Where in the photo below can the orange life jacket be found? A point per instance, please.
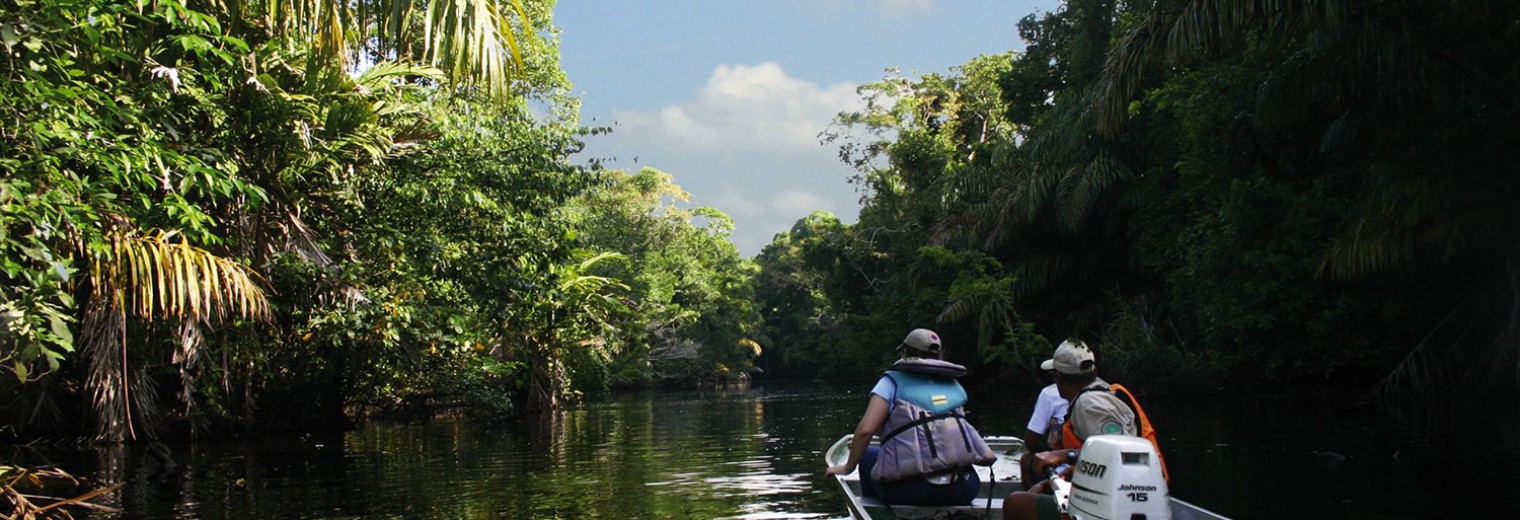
(1069, 440)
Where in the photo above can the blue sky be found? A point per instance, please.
(728, 96)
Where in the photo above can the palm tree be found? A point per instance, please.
(576, 312)
(139, 275)
(478, 43)
(156, 278)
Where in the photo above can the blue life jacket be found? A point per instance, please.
(926, 434)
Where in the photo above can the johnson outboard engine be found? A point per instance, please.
(1118, 477)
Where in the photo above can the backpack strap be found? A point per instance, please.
(920, 422)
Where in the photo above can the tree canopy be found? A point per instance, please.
(1265, 193)
(272, 215)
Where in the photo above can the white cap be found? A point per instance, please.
(1071, 358)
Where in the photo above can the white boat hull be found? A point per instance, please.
(998, 480)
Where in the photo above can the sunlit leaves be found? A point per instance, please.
(688, 289)
(153, 275)
(185, 155)
(475, 42)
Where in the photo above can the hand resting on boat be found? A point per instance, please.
(1035, 466)
(870, 422)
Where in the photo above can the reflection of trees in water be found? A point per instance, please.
(546, 432)
(716, 452)
(111, 464)
(1426, 424)
(656, 455)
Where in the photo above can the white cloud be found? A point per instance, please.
(742, 107)
(746, 143)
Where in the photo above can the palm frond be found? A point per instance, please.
(1419, 370)
(187, 357)
(105, 350)
(380, 76)
(476, 42)
(1180, 34)
(1038, 272)
(1122, 69)
(1407, 222)
(157, 279)
(955, 226)
(1085, 184)
(1018, 201)
(152, 275)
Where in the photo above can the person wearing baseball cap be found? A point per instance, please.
(1071, 358)
(922, 343)
(927, 447)
(1043, 432)
(1095, 408)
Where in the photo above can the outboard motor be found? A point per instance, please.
(1118, 477)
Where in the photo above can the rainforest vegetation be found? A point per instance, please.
(234, 216)
(1222, 195)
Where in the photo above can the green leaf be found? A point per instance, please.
(61, 329)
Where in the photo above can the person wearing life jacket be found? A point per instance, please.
(1096, 408)
(1070, 440)
(927, 447)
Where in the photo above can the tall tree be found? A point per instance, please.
(692, 315)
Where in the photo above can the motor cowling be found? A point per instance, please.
(1118, 477)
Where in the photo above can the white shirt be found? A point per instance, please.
(1049, 409)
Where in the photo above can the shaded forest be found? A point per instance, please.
(1222, 195)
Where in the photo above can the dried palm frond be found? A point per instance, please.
(188, 357)
(1421, 369)
(154, 278)
(31, 505)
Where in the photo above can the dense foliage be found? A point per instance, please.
(690, 309)
(275, 214)
(1263, 193)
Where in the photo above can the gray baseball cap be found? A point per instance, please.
(923, 340)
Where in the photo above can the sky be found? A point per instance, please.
(729, 96)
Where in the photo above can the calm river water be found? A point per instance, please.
(755, 453)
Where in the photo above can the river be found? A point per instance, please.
(754, 452)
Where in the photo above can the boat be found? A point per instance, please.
(998, 480)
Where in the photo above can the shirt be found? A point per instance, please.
(1101, 413)
(887, 389)
(1049, 409)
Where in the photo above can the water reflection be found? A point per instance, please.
(1311, 457)
(755, 454)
